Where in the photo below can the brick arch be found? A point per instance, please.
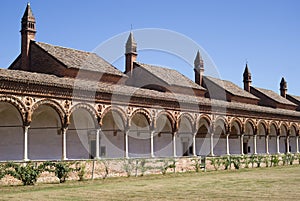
(170, 117)
(294, 125)
(143, 112)
(53, 104)
(19, 105)
(275, 125)
(89, 108)
(116, 109)
(189, 118)
(206, 118)
(264, 124)
(283, 124)
(223, 119)
(238, 121)
(252, 123)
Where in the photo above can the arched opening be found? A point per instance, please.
(112, 141)
(81, 135)
(184, 141)
(272, 139)
(261, 138)
(139, 136)
(163, 137)
(293, 141)
(11, 133)
(203, 137)
(44, 137)
(220, 137)
(234, 141)
(248, 143)
(282, 139)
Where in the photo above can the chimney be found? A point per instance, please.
(283, 87)
(28, 31)
(130, 54)
(247, 79)
(198, 69)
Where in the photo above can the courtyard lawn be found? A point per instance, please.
(276, 183)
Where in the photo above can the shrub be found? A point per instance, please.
(197, 164)
(26, 173)
(246, 161)
(142, 166)
(227, 162)
(128, 166)
(236, 162)
(167, 164)
(2, 171)
(106, 168)
(252, 160)
(284, 159)
(216, 162)
(274, 160)
(80, 169)
(259, 160)
(267, 160)
(61, 169)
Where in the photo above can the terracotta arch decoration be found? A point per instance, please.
(53, 104)
(169, 116)
(117, 110)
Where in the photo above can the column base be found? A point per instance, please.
(26, 160)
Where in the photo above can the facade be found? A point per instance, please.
(61, 103)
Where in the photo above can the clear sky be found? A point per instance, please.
(266, 33)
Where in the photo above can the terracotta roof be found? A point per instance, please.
(78, 59)
(170, 76)
(274, 96)
(231, 88)
(53, 81)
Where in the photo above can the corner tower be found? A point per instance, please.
(247, 79)
(198, 68)
(28, 31)
(130, 54)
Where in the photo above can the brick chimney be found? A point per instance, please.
(198, 69)
(247, 79)
(28, 31)
(283, 87)
(130, 54)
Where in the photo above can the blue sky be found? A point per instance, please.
(266, 33)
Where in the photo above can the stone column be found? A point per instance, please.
(254, 144)
(98, 143)
(152, 143)
(194, 144)
(25, 152)
(287, 144)
(277, 144)
(174, 144)
(126, 144)
(212, 144)
(227, 144)
(242, 144)
(297, 144)
(267, 144)
(64, 143)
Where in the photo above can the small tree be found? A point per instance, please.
(128, 166)
(27, 173)
(216, 162)
(259, 160)
(61, 169)
(227, 162)
(274, 160)
(246, 161)
(236, 162)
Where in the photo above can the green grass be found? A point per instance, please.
(276, 183)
